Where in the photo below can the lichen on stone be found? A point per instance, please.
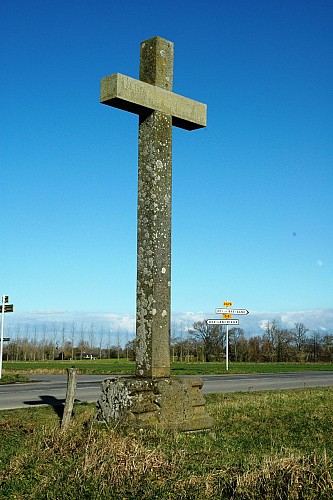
(115, 400)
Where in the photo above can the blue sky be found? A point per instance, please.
(252, 193)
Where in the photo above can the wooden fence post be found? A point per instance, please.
(70, 394)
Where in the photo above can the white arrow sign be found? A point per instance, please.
(222, 321)
(231, 311)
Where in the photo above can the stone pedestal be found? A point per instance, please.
(175, 403)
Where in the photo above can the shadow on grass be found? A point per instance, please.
(58, 405)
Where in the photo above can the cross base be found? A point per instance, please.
(175, 403)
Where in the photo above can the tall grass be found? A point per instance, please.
(95, 366)
(267, 445)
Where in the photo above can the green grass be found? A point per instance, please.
(219, 368)
(268, 445)
(13, 378)
(123, 367)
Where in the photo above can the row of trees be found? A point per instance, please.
(64, 341)
(201, 342)
(208, 342)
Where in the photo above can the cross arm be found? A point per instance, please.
(138, 97)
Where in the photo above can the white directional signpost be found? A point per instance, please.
(4, 308)
(223, 322)
(227, 320)
(231, 311)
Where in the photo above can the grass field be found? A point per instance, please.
(13, 378)
(123, 367)
(268, 445)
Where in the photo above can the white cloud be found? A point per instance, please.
(253, 323)
(262, 324)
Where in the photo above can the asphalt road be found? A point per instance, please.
(51, 389)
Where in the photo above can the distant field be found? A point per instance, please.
(269, 445)
(123, 367)
(94, 367)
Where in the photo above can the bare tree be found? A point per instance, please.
(131, 348)
(212, 338)
(101, 336)
(181, 335)
(54, 339)
(269, 341)
(118, 343)
(17, 341)
(126, 343)
(44, 330)
(92, 338)
(276, 342)
(82, 343)
(238, 344)
(72, 338)
(63, 340)
(109, 341)
(35, 342)
(299, 339)
(327, 347)
(314, 345)
(25, 341)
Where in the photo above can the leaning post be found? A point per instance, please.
(70, 395)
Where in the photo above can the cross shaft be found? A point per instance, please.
(158, 108)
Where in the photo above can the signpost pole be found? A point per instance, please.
(227, 304)
(227, 349)
(2, 329)
(226, 320)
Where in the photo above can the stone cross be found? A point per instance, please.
(158, 108)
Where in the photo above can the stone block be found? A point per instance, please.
(174, 403)
(128, 94)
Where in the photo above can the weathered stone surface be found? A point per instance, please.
(155, 399)
(158, 108)
(156, 62)
(174, 403)
(154, 220)
(138, 97)
(154, 247)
